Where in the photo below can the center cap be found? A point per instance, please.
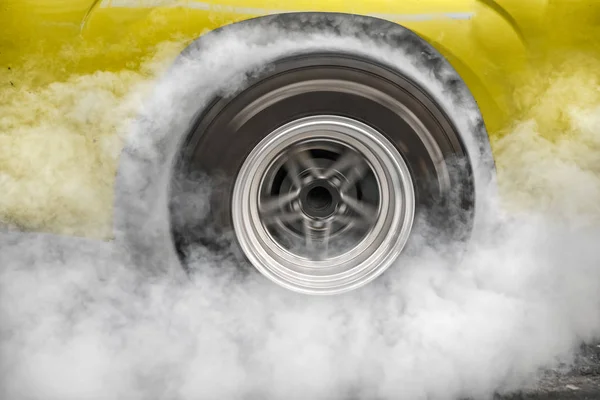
(319, 199)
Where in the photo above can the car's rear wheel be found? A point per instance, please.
(331, 162)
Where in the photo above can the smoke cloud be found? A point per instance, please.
(79, 322)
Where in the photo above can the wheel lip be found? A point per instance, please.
(387, 251)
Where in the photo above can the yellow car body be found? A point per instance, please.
(493, 45)
(485, 40)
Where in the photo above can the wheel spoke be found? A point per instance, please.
(307, 162)
(356, 174)
(326, 235)
(366, 210)
(346, 160)
(351, 219)
(308, 235)
(268, 206)
(292, 167)
(283, 217)
(317, 242)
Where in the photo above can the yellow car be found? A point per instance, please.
(319, 141)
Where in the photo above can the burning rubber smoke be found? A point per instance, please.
(78, 321)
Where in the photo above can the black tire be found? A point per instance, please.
(211, 128)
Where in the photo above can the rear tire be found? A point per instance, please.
(350, 87)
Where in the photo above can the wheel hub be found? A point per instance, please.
(319, 199)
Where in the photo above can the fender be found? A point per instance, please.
(475, 36)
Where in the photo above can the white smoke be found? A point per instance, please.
(79, 322)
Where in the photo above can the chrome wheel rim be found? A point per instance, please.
(323, 205)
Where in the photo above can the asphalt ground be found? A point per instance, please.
(581, 382)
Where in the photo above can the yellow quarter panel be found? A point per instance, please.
(477, 39)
